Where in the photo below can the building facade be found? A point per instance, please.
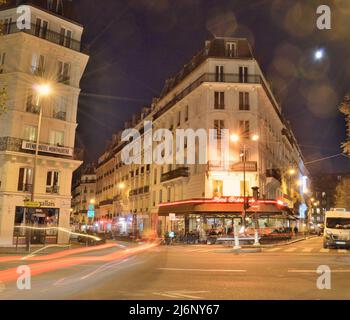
(83, 195)
(222, 87)
(47, 53)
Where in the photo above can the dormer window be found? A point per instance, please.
(231, 49)
(55, 6)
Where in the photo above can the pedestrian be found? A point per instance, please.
(296, 230)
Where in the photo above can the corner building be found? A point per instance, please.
(49, 52)
(222, 87)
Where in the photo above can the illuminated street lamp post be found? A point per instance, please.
(42, 90)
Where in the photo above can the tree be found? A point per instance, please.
(342, 194)
(345, 109)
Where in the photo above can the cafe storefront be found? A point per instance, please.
(217, 217)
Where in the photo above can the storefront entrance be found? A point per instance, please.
(43, 225)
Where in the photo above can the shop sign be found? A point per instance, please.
(40, 204)
(27, 145)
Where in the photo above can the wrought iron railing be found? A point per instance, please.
(182, 172)
(44, 33)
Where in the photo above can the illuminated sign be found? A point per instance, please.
(91, 211)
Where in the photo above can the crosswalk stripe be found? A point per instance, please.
(273, 249)
(290, 250)
(342, 251)
(325, 250)
(307, 250)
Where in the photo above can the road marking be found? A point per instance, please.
(200, 270)
(325, 250)
(181, 294)
(290, 250)
(314, 271)
(342, 251)
(273, 249)
(306, 250)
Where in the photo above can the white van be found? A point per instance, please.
(337, 229)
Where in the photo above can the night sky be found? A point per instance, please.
(134, 46)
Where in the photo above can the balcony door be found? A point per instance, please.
(243, 74)
(41, 28)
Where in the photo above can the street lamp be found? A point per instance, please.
(236, 138)
(42, 90)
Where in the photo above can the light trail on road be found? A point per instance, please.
(47, 266)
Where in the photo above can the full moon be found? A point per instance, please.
(319, 54)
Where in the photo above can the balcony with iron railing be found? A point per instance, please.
(32, 108)
(60, 115)
(26, 187)
(53, 189)
(275, 174)
(106, 202)
(210, 77)
(11, 144)
(44, 33)
(139, 191)
(182, 172)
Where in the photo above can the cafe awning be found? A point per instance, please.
(225, 206)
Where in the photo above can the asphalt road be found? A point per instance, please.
(187, 272)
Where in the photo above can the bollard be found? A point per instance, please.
(237, 246)
(256, 238)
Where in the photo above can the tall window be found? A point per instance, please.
(41, 28)
(218, 126)
(25, 180)
(186, 113)
(38, 65)
(63, 72)
(244, 101)
(219, 102)
(179, 119)
(244, 128)
(218, 188)
(65, 37)
(219, 74)
(160, 196)
(60, 111)
(56, 138)
(2, 61)
(245, 187)
(243, 74)
(52, 182)
(231, 49)
(30, 133)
